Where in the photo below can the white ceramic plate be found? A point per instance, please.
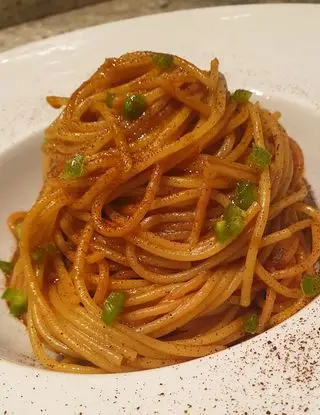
(273, 50)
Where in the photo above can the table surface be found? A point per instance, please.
(101, 13)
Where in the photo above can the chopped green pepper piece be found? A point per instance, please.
(6, 267)
(18, 305)
(9, 294)
(37, 254)
(109, 99)
(113, 306)
(232, 224)
(221, 231)
(259, 158)
(18, 229)
(235, 226)
(233, 216)
(163, 60)
(134, 106)
(17, 301)
(310, 285)
(232, 211)
(241, 96)
(250, 323)
(246, 194)
(74, 168)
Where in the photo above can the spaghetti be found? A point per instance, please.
(171, 223)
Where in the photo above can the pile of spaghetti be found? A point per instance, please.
(171, 223)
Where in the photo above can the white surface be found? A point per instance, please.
(273, 50)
